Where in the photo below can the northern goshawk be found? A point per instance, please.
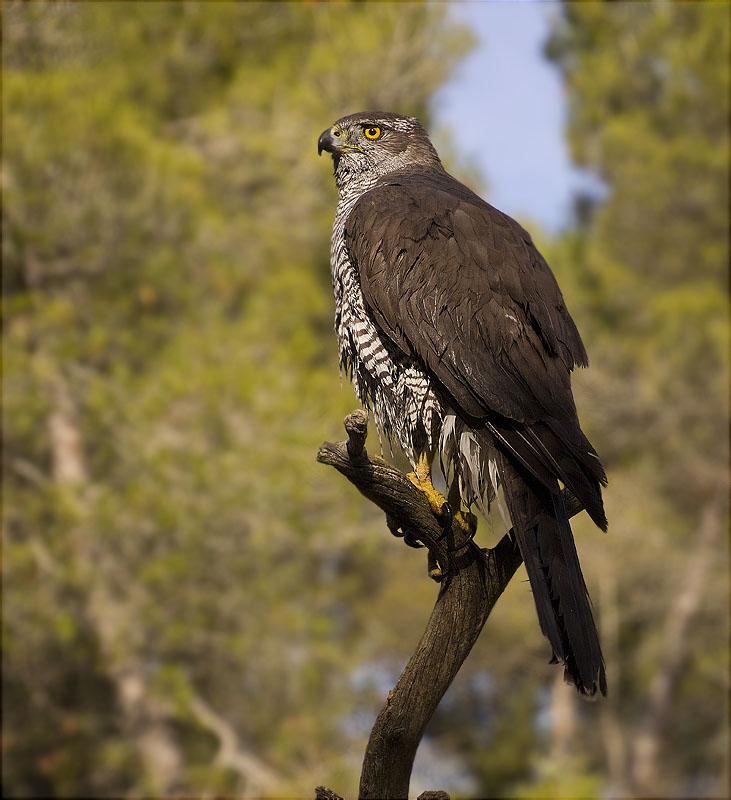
(456, 336)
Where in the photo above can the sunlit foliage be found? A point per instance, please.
(191, 604)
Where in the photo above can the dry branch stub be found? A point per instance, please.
(356, 426)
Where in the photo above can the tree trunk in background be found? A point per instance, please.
(67, 452)
(112, 619)
(256, 778)
(646, 762)
(613, 736)
(146, 720)
(563, 719)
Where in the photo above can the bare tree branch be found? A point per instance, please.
(474, 581)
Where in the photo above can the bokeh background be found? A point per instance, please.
(191, 604)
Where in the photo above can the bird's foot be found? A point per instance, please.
(465, 520)
(435, 571)
(467, 523)
(409, 536)
(437, 501)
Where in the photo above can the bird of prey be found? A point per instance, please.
(457, 337)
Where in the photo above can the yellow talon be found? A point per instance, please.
(436, 573)
(422, 480)
(436, 498)
(466, 521)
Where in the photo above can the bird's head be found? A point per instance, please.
(374, 143)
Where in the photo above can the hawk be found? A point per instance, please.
(457, 338)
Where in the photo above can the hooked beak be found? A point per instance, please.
(328, 142)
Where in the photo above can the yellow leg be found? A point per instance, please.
(422, 480)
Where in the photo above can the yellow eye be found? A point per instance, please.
(372, 132)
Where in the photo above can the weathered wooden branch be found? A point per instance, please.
(475, 579)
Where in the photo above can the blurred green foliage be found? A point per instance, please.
(191, 604)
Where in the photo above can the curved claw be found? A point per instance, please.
(394, 527)
(408, 536)
(468, 523)
(465, 543)
(411, 541)
(445, 520)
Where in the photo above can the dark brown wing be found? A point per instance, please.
(456, 283)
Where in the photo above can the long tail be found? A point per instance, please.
(546, 543)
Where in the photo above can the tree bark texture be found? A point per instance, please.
(474, 580)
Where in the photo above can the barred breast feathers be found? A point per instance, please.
(398, 392)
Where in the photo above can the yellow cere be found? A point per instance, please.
(372, 132)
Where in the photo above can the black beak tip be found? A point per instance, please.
(325, 142)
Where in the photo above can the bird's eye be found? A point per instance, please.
(336, 132)
(372, 132)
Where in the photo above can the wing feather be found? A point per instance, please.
(460, 285)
